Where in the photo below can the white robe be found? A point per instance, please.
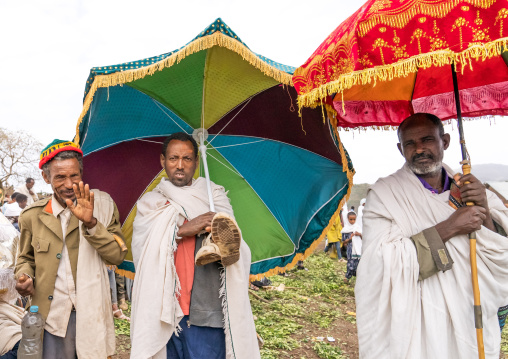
(359, 216)
(10, 325)
(401, 317)
(155, 308)
(31, 197)
(356, 241)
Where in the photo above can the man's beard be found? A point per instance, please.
(428, 169)
(180, 182)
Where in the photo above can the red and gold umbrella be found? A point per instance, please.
(392, 59)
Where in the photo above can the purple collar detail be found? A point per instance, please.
(446, 187)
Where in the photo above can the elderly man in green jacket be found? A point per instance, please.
(66, 243)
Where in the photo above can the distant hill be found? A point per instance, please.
(358, 192)
(490, 172)
(484, 172)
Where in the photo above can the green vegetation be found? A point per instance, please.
(317, 303)
(311, 306)
(326, 351)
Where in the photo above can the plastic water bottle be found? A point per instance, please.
(32, 326)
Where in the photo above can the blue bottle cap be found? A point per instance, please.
(34, 309)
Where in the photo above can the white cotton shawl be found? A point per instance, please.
(30, 198)
(95, 329)
(401, 317)
(155, 308)
(355, 240)
(359, 216)
(10, 326)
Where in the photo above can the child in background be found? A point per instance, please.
(334, 239)
(352, 236)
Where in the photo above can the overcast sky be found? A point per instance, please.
(48, 48)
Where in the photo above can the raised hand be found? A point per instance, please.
(83, 209)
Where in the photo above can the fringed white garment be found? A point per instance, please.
(155, 308)
(95, 329)
(400, 317)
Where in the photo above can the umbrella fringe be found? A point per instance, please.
(308, 251)
(202, 43)
(429, 9)
(401, 69)
(332, 114)
(125, 273)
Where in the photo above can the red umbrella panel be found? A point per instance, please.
(392, 59)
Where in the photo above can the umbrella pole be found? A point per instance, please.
(202, 149)
(466, 169)
(200, 135)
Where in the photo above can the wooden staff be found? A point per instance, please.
(466, 169)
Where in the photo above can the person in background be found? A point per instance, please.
(11, 200)
(13, 210)
(359, 217)
(6, 200)
(117, 312)
(27, 190)
(10, 314)
(352, 238)
(334, 237)
(22, 201)
(121, 292)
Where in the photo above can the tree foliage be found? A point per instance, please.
(19, 157)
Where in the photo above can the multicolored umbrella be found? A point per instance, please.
(286, 175)
(391, 59)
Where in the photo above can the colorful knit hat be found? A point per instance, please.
(55, 148)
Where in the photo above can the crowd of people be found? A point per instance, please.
(407, 244)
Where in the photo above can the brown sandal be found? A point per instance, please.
(122, 316)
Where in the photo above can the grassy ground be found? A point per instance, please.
(316, 303)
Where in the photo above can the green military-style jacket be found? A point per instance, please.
(41, 244)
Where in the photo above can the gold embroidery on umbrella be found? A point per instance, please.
(459, 24)
(502, 14)
(418, 34)
(380, 43)
(478, 21)
(379, 5)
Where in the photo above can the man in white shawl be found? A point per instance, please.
(179, 309)
(414, 292)
(27, 190)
